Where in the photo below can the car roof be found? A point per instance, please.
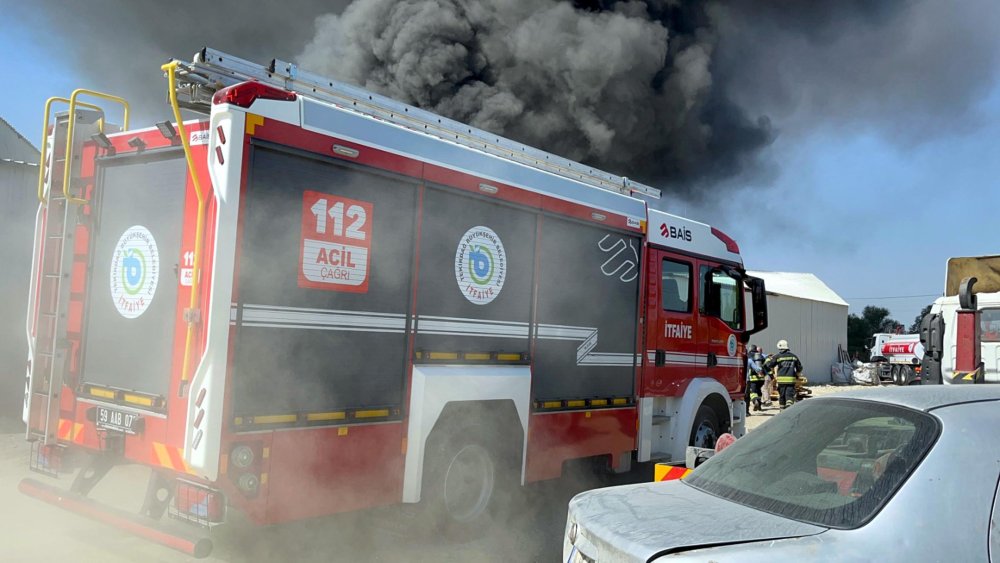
(924, 398)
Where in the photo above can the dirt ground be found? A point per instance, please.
(757, 418)
(33, 530)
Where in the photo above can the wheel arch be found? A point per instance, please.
(442, 396)
(701, 390)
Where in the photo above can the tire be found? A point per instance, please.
(896, 373)
(706, 428)
(471, 480)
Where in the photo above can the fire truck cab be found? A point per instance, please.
(316, 300)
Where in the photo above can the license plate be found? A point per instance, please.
(119, 421)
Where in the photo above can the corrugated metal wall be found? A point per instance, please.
(17, 220)
(813, 330)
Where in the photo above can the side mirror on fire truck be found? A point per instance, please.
(758, 298)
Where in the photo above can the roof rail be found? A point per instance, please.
(212, 70)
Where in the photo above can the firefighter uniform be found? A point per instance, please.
(755, 376)
(786, 367)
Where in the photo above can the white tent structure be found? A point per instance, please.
(809, 315)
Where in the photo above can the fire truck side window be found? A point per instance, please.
(989, 325)
(675, 288)
(729, 298)
(728, 292)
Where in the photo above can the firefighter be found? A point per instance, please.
(786, 367)
(755, 376)
(768, 389)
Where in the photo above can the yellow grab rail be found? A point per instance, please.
(199, 232)
(72, 124)
(45, 136)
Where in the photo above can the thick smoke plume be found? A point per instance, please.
(627, 86)
(682, 94)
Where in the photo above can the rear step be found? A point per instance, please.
(185, 541)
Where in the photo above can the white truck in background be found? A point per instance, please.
(939, 332)
(897, 357)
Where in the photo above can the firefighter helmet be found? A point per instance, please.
(782, 344)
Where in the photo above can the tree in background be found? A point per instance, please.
(915, 327)
(860, 329)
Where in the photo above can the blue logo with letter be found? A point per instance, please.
(481, 264)
(133, 270)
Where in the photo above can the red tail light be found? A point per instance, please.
(731, 245)
(245, 93)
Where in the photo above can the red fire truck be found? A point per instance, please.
(316, 299)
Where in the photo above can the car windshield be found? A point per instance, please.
(831, 462)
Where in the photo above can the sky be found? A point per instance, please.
(870, 208)
(872, 218)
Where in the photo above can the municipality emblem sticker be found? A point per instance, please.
(135, 269)
(480, 265)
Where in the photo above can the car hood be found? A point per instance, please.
(637, 522)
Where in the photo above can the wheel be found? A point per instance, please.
(896, 373)
(471, 480)
(907, 375)
(706, 429)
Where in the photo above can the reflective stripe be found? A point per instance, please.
(665, 472)
(170, 457)
(471, 327)
(320, 319)
(585, 354)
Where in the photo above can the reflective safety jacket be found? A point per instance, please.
(786, 366)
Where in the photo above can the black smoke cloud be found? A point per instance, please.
(627, 86)
(685, 95)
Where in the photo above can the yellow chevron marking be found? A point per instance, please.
(253, 120)
(162, 457)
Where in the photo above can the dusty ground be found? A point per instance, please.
(758, 418)
(33, 530)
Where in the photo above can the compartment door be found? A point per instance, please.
(323, 291)
(132, 306)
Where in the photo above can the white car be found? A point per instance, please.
(901, 474)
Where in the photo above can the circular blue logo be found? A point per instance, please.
(480, 265)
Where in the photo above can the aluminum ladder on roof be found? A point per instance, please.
(212, 70)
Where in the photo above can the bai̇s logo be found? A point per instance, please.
(682, 233)
(135, 269)
(480, 265)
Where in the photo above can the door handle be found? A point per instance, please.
(713, 360)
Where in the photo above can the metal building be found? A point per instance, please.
(18, 203)
(809, 315)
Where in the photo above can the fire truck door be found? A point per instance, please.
(675, 350)
(720, 307)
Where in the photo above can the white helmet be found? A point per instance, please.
(782, 345)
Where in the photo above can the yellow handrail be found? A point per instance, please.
(45, 136)
(72, 126)
(199, 232)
